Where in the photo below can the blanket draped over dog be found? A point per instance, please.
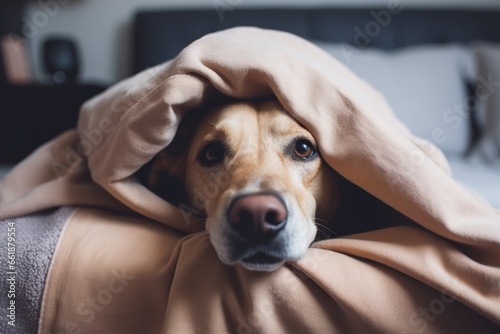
(129, 262)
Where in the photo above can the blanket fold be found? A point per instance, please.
(449, 265)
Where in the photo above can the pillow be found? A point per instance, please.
(425, 86)
(487, 58)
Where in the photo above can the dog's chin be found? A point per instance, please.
(259, 261)
(262, 262)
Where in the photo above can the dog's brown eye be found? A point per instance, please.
(212, 154)
(304, 149)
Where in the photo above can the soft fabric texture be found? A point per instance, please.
(434, 106)
(35, 241)
(117, 270)
(149, 279)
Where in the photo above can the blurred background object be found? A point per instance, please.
(15, 59)
(60, 59)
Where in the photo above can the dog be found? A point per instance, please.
(267, 184)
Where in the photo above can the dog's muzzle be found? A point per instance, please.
(257, 219)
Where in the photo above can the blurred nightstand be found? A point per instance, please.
(30, 115)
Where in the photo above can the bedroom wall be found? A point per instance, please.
(102, 27)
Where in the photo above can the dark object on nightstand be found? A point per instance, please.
(60, 59)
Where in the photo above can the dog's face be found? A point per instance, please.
(258, 176)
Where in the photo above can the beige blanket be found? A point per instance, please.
(117, 270)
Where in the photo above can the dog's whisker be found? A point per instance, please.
(322, 235)
(321, 220)
(323, 227)
(211, 123)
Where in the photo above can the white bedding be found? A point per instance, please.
(478, 176)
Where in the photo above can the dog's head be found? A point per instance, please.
(258, 177)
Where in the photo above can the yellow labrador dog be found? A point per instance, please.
(269, 184)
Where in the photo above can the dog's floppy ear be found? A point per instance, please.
(165, 174)
(167, 171)
(166, 165)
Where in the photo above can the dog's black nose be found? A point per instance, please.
(257, 217)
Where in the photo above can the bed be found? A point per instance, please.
(109, 255)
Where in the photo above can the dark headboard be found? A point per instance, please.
(161, 34)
